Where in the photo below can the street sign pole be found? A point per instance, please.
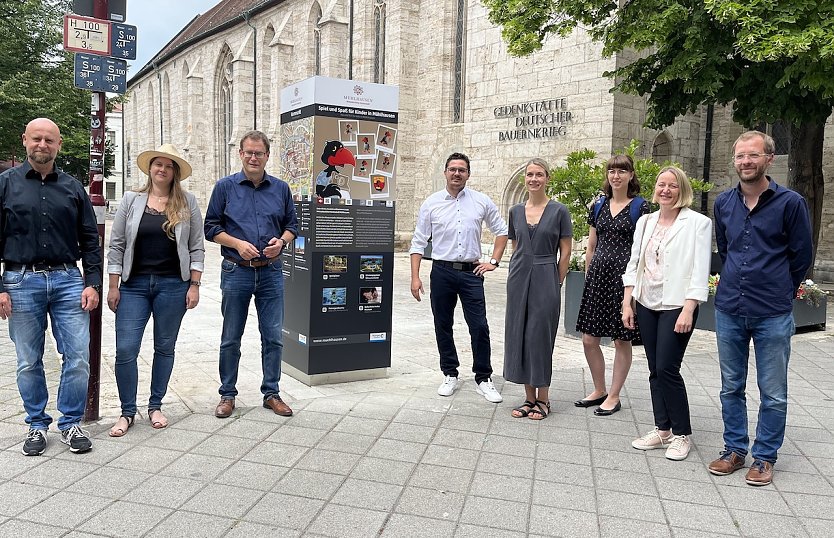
(98, 111)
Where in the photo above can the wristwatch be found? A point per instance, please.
(493, 261)
(97, 287)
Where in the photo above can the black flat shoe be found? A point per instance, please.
(600, 412)
(590, 403)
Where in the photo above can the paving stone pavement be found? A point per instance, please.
(389, 457)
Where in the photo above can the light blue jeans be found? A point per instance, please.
(58, 295)
(239, 285)
(140, 297)
(772, 345)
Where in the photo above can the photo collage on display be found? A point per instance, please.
(368, 296)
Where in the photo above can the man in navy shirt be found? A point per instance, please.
(252, 215)
(763, 234)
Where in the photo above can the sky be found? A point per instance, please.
(157, 22)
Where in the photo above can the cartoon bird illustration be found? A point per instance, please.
(335, 154)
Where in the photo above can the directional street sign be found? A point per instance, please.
(100, 74)
(82, 34)
(123, 41)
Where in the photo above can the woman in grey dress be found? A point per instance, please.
(541, 233)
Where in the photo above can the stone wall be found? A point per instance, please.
(419, 58)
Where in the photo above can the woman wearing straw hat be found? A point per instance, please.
(156, 250)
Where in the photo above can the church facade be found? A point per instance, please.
(459, 91)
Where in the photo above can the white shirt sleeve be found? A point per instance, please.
(496, 224)
(422, 233)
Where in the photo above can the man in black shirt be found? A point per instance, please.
(47, 224)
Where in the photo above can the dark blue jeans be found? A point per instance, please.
(141, 297)
(772, 341)
(239, 285)
(447, 285)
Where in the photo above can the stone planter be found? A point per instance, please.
(706, 315)
(573, 287)
(808, 315)
(574, 284)
(804, 314)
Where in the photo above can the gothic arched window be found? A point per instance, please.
(379, 41)
(458, 55)
(225, 125)
(316, 16)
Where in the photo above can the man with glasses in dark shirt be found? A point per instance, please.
(763, 234)
(252, 216)
(47, 224)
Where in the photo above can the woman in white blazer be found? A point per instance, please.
(156, 251)
(667, 279)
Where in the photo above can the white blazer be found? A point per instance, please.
(687, 251)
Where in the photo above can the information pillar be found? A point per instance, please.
(338, 152)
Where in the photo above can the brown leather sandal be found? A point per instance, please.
(157, 424)
(117, 431)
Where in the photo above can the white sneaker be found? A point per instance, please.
(449, 386)
(679, 449)
(651, 440)
(487, 390)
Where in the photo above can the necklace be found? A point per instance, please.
(160, 198)
(658, 240)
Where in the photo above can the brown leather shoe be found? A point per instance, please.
(224, 408)
(760, 473)
(278, 406)
(728, 463)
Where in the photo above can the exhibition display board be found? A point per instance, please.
(338, 150)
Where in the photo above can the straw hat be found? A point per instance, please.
(169, 152)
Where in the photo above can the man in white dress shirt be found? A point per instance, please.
(453, 219)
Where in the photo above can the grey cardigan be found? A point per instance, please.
(188, 234)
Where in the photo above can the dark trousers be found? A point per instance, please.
(447, 285)
(664, 351)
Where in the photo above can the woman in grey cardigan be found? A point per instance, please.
(156, 251)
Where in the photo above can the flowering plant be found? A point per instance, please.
(577, 263)
(712, 283)
(808, 291)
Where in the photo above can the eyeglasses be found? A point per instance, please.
(458, 170)
(256, 154)
(752, 156)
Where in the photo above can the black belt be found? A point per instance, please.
(40, 267)
(253, 263)
(458, 266)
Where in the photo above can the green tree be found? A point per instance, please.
(579, 182)
(768, 60)
(36, 80)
